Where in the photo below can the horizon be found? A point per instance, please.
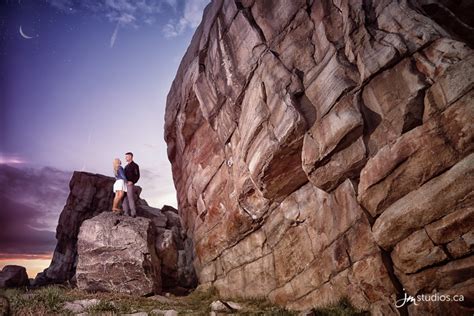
(83, 83)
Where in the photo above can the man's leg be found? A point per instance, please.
(131, 199)
(125, 207)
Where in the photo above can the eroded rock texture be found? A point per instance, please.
(323, 149)
(91, 195)
(117, 254)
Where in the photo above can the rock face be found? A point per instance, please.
(323, 149)
(13, 276)
(117, 254)
(91, 195)
(175, 251)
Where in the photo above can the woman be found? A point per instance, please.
(120, 186)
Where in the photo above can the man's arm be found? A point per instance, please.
(137, 174)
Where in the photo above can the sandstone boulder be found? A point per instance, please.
(117, 254)
(91, 194)
(323, 149)
(13, 276)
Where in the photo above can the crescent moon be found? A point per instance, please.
(24, 35)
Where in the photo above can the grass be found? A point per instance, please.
(43, 301)
(50, 300)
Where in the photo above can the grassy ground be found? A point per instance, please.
(50, 301)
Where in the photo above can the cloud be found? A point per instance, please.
(153, 146)
(10, 159)
(173, 4)
(25, 256)
(112, 42)
(42, 190)
(154, 186)
(123, 13)
(63, 5)
(185, 14)
(31, 201)
(126, 12)
(17, 235)
(189, 19)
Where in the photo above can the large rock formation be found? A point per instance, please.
(13, 276)
(117, 254)
(323, 149)
(91, 195)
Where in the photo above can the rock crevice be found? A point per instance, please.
(332, 153)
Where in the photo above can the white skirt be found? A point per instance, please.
(120, 185)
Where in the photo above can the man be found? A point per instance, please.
(132, 173)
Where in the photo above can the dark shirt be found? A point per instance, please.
(121, 174)
(132, 172)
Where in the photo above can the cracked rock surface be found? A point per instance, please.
(324, 149)
(117, 254)
(91, 196)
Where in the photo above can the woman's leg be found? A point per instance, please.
(117, 198)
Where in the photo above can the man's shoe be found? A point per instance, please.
(134, 216)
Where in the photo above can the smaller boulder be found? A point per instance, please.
(153, 213)
(117, 254)
(13, 276)
(168, 253)
(234, 305)
(219, 306)
(173, 219)
(222, 306)
(167, 208)
(80, 306)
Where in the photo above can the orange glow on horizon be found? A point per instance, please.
(34, 264)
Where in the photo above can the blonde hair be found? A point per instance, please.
(116, 165)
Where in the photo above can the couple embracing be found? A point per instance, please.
(124, 185)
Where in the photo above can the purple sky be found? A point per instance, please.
(89, 85)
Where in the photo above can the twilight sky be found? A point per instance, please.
(82, 82)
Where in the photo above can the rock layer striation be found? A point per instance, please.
(324, 149)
